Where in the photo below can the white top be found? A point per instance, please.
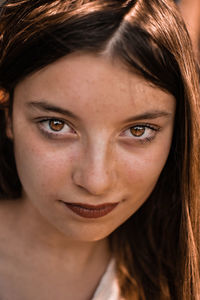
(108, 288)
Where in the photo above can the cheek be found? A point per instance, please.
(142, 169)
(41, 167)
(140, 172)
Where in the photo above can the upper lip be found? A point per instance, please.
(90, 206)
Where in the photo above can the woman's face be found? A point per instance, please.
(91, 140)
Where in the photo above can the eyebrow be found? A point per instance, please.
(154, 114)
(45, 106)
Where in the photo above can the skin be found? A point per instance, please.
(94, 159)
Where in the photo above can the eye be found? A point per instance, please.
(137, 131)
(55, 127)
(142, 133)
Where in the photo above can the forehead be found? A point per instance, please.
(94, 82)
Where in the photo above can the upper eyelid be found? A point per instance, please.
(43, 119)
(136, 123)
(68, 123)
(143, 123)
(147, 125)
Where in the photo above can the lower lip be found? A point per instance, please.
(89, 212)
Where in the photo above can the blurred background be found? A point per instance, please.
(190, 10)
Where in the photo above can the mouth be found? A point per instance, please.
(91, 211)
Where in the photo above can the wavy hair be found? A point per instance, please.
(157, 249)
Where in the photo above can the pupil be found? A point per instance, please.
(56, 125)
(137, 131)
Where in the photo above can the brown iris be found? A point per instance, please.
(56, 125)
(137, 130)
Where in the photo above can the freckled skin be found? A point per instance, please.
(97, 164)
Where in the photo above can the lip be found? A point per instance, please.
(91, 211)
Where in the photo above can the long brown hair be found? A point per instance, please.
(157, 249)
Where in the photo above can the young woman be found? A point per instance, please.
(99, 152)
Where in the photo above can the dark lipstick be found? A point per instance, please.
(91, 211)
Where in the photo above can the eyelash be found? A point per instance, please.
(56, 134)
(154, 129)
(53, 133)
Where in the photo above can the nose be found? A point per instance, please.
(94, 172)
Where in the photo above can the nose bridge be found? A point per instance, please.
(94, 172)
